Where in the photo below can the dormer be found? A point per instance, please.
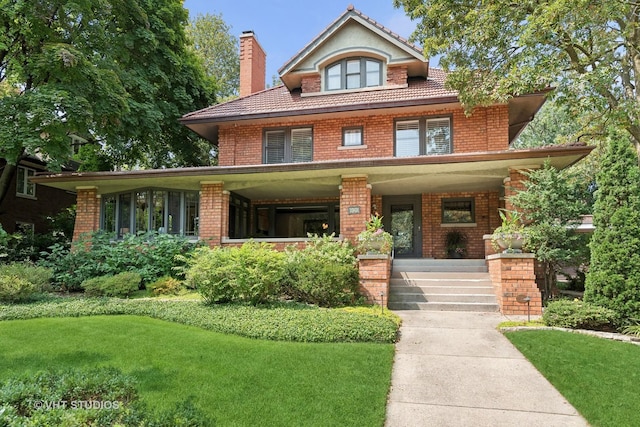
(353, 53)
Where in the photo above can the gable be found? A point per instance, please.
(351, 35)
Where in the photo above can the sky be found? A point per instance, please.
(283, 27)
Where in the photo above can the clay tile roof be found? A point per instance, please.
(279, 102)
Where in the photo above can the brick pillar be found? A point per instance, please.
(214, 212)
(87, 211)
(513, 275)
(513, 184)
(355, 206)
(375, 271)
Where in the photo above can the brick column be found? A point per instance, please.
(355, 206)
(513, 184)
(513, 275)
(375, 271)
(214, 213)
(87, 212)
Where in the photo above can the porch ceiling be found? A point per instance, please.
(396, 176)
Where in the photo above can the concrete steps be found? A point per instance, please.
(441, 285)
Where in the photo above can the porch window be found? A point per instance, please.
(296, 220)
(291, 145)
(424, 136)
(353, 73)
(458, 211)
(162, 211)
(23, 186)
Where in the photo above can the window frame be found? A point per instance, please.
(349, 129)
(422, 134)
(363, 73)
(125, 218)
(23, 185)
(443, 203)
(288, 144)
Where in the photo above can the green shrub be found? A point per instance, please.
(322, 273)
(152, 255)
(99, 396)
(166, 285)
(121, 285)
(22, 281)
(579, 315)
(250, 273)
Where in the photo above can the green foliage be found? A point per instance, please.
(323, 273)
(166, 285)
(121, 285)
(98, 396)
(22, 281)
(278, 322)
(551, 207)
(500, 49)
(374, 240)
(151, 255)
(613, 279)
(218, 49)
(251, 273)
(552, 125)
(579, 315)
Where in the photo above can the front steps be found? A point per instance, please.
(441, 285)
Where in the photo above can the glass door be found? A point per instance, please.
(402, 217)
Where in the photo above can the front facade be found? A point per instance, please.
(362, 125)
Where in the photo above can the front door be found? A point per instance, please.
(402, 220)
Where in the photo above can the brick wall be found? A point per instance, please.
(486, 129)
(434, 234)
(513, 275)
(87, 212)
(397, 75)
(214, 213)
(375, 272)
(253, 62)
(355, 206)
(311, 84)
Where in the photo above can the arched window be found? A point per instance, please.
(353, 73)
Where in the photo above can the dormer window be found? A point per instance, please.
(353, 73)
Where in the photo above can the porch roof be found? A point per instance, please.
(387, 176)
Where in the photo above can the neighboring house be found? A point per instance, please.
(361, 125)
(27, 204)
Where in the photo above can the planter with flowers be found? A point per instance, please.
(374, 240)
(456, 244)
(510, 237)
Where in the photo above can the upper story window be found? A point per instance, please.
(423, 136)
(291, 145)
(353, 73)
(23, 186)
(351, 136)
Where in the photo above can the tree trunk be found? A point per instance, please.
(8, 171)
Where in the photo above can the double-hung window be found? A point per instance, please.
(291, 145)
(23, 186)
(424, 136)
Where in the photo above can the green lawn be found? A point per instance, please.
(235, 380)
(601, 378)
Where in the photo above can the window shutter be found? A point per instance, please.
(301, 145)
(439, 136)
(274, 147)
(408, 138)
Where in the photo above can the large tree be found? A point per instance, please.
(117, 71)
(219, 51)
(614, 274)
(495, 49)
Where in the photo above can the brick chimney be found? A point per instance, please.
(253, 64)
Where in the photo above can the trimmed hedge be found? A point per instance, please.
(279, 322)
(121, 285)
(579, 315)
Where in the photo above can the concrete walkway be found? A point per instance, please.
(455, 369)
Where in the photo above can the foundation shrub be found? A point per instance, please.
(22, 281)
(576, 314)
(323, 273)
(120, 285)
(166, 285)
(249, 274)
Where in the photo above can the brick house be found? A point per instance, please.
(361, 125)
